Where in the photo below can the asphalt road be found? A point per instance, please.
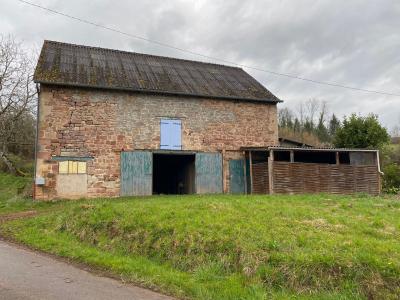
(25, 274)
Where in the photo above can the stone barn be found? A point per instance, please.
(114, 123)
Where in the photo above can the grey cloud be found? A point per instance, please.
(354, 43)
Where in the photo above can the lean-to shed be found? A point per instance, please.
(291, 170)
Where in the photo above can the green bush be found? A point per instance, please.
(361, 132)
(391, 179)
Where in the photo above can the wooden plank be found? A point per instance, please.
(251, 172)
(208, 173)
(291, 178)
(260, 178)
(237, 176)
(271, 172)
(245, 173)
(136, 173)
(248, 183)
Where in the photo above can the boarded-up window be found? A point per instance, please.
(72, 167)
(171, 131)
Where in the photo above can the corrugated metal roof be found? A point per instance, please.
(83, 66)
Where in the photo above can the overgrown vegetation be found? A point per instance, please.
(391, 168)
(15, 195)
(12, 196)
(17, 105)
(310, 124)
(232, 247)
(361, 132)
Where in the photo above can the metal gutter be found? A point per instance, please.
(379, 164)
(279, 148)
(36, 140)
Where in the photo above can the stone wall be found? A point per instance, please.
(101, 123)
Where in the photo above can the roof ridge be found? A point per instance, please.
(143, 54)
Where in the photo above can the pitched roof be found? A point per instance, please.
(74, 65)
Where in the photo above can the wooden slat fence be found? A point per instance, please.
(260, 178)
(298, 178)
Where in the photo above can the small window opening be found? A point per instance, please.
(259, 156)
(344, 158)
(282, 155)
(315, 157)
(72, 167)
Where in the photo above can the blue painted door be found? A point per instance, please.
(171, 134)
(208, 173)
(247, 177)
(136, 173)
(236, 176)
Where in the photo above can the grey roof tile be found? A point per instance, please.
(75, 65)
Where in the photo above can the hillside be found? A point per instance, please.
(231, 247)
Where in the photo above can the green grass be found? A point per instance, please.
(11, 193)
(231, 247)
(15, 196)
(24, 165)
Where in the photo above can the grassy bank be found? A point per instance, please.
(13, 193)
(15, 196)
(232, 247)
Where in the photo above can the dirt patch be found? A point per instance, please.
(18, 215)
(321, 223)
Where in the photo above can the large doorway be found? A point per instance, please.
(173, 173)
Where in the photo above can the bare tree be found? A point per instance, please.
(395, 132)
(17, 93)
(312, 108)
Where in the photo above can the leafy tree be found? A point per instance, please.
(361, 132)
(322, 133)
(334, 124)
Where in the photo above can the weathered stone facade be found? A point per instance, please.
(102, 123)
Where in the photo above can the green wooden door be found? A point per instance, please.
(236, 176)
(208, 173)
(136, 173)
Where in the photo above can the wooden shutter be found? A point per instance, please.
(171, 134)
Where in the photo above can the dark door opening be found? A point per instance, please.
(173, 173)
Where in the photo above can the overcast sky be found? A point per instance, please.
(351, 42)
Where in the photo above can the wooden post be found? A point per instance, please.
(292, 156)
(270, 171)
(337, 158)
(225, 172)
(251, 172)
(245, 172)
